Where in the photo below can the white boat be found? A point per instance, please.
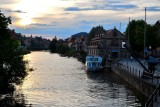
(93, 63)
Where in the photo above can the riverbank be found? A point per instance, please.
(79, 55)
(132, 73)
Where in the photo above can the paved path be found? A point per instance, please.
(134, 64)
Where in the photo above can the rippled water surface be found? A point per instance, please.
(62, 82)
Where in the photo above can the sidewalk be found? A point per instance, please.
(136, 65)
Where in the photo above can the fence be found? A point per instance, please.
(137, 72)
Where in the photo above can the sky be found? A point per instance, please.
(63, 18)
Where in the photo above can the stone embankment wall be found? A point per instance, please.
(136, 82)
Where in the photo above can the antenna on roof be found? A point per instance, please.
(120, 27)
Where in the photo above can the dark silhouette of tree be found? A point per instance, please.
(12, 66)
(53, 45)
(95, 30)
(62, 49)
(136, 35)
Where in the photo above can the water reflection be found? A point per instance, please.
(62, 82)
(13, 100)
(109, 87)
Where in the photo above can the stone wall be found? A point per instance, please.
(140, 84)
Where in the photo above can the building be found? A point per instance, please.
(77, 43)
(108, 44)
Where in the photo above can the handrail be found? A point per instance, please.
(153, 97)
(135, 57)
(137, 71)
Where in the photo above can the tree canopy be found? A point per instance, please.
(94, 31)
(136, 35)
(12, 66)
(53, 45)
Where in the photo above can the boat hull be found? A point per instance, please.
(94, 69)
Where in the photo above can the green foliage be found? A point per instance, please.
(94, 31)
(12, 66)
(53, 45)
(59, 46)
(62, 49)
(136, 35)
(83, 55)
(4, 21)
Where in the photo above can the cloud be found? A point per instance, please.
(15, 11)
(153, 8)
(67, 17)
(104, 7)
(41, 25)
(119, 6)
(7, 1)
(38, 24)
(19, 11)
(73, 9)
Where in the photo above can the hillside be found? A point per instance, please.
(79, 34)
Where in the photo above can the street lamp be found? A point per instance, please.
(150, 49)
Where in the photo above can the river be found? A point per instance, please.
(63, 82)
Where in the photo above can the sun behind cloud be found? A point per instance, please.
(38, 8)
(26, 21)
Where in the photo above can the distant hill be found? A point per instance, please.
(79, 34)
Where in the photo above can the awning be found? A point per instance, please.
(115, 50)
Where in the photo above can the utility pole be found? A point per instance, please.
(120, 42)
(128, 31)
(145, 36)
(128, 40)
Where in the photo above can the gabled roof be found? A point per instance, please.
(113, 33)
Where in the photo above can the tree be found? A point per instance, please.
(94, 31)
(53, 45)
(136, 35)
(12, 66)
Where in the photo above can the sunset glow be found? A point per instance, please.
(57, 17)
(25, 21)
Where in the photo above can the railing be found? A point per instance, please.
(153, 98)
(137, 72)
